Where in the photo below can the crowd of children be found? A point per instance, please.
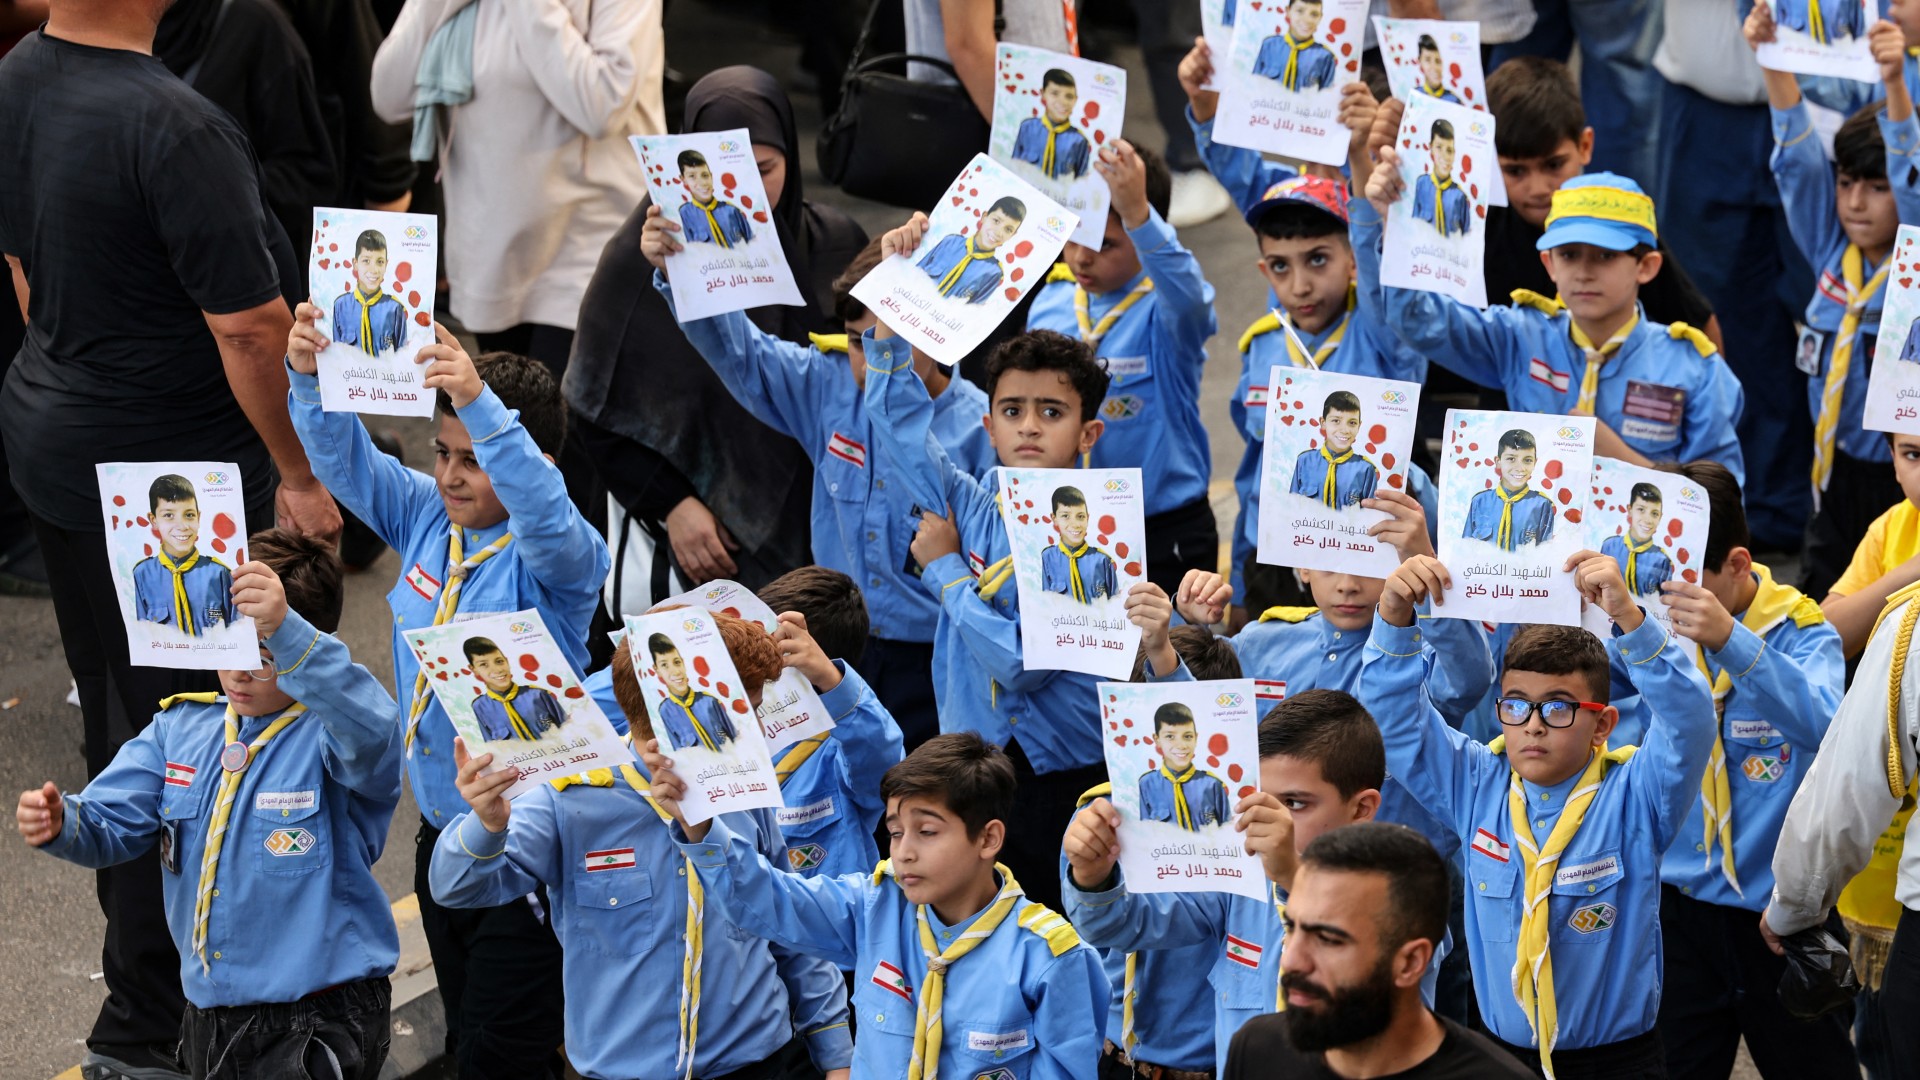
(942, 896)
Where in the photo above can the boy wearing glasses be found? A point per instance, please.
(1566, 834)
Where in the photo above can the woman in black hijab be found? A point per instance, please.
(721, 492)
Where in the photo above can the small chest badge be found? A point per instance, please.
(234, 757)
(284, 842)
(1593, 918)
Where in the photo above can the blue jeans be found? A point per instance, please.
(1618, 85)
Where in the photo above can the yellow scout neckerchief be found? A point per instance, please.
(1826, 429)
(1433, 91)
(1327, 489)
(233, 767)
(1182, 813)
(366, 318)
(1091, 332)
(713, 223)
(1596, 358)
(1504, 537)
(1440, 189)
(1048, 160)
(1816, 22)
(928, 1031)
(458, 567)
(514, 721)
(1078, 586)
(1327, 344)
(796, 756)
(951, 279)
(1290, 74)
(693, 718)
(1633, 566)
(182, 607)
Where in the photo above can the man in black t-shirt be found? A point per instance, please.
(1367, 909)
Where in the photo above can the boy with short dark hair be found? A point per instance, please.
(269, 805)
(1512, 514)
(491, 530)
(364, 316)
(1437, 199)
(1642, 561)
(1071, 565)
(705, 217)
(1179, 791)
(180, 585)
(1050, 142)
(965, 266)
(1564, 833)
(506, 709)
(1292, 57)
(1427, 54)
(965, 975)
(692, 718)
(1334, 472)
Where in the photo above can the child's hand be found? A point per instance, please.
(1420, 579)
(669, 789)
(1203, 597)
(799, 651)
(1269, 829)
(258, 594)
(1698, 615)
(1598, 577)
(1195, 69)
(903, 240)
(1889, 45)
(1385, 185)
(40, 815)
(936, 536)
(657, 239)
(1357, 109)
(1148, 608)
(1759, 25)
(1092, 844)
(1386, 126)
(305, 339)
(1126, 176)
(1406, 526)
(451, 369)
(486, 794)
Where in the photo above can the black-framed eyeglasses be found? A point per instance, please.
(1515, 712)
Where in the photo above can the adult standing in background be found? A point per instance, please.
(375, 170)
(1622, 91)
(150, 267)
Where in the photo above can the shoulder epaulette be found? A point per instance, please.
(1288, 614)
(829, 343)
(1265, 324)
(206, 697)
(1701, 343)
(1806, 612)
(1545, 305)
(882, 869)
(1050, 926)
(1058, 272)
(1097, 791)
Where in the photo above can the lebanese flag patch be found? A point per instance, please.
(423, 583)
(611, 859)
(1833, 288)
(1489, 845)
(1244, 953)
(180, 775)
(1270, 690)
(847, 450)
(976, 563)
(890, 978)
(1538, 370)
(1256, 397)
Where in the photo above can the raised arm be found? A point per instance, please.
(783, 385)
(1440, 767)
(362, 744)
(1467, 341)
(379, 490)
(1463, 666)
(475, 868)
(1805, 179)
(816, 916)
(1665, 774)
(869, 738)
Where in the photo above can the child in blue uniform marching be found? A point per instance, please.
(1334, 473)
(364, 316)
(1512, 514)
(1142, 304)
(958, 973)
(180, 585)
(1643, 562)
(968, 267)
(1564, 833)
(492, 530)
(1050, 142)
(505, 709)
(269, 805)
(1432, 84)
(1178, 791)
(1292, 57)
(660, 979)
(1071, 565)
(705, 218)
(691, 717)
(1437, 198)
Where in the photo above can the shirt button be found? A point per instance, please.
(436, 813)
(1688, 889)
(1541, 824)
(682, 872)
(613, 901)
(881, 484)
(427, 750)
(216, 956)
(1483, 886)
(879, 1018)
(1546, 796)
(1764, 740)
(1416, 637)
(285, 813)
(1699, 847)
(1331, 657)
(875, 582)
(833, 487)
(216, 892)
(1013, 719)
(871, 535)
(1336, 635)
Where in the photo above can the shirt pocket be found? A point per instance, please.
(1586, 898)
(287, 832)
(1491, 883)
(1757, 753)
(885, 1022)
(842, 469)
(1243, 988)
(1004, 1042)
(615, 913)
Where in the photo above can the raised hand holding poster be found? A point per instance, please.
(1052, 113)
(790, 709)
(1079, 541)
(1654, 525)
(1436, 234)
(1280, 83)
(730, 257)
(371, 274)
(1821, 37)
(1437, 59)
(175, 531)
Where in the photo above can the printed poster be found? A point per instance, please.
(1181, 756)
(1441, 60)
(1436, 235)
(1654, 525)
(698, 707)
(731, 258)
(790, 709)
(1216, 24)
(1893, 386)
(1052, 114)
(510, 692)
(990, 239)
(371, 275)
(1821, 37)
(1280, 84)
(175, 532)
(1079, 540)
(1332, 440)
(1514, 493)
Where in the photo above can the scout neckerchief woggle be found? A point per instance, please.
(458, 567)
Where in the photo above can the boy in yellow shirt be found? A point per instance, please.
(1887, 560)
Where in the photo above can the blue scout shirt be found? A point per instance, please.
(833, 792)
(1206, 799)
(1354, 477)
(1024, 1004)
(621, 919)
(555, 564)
(1607, 989)
(1245, 173)
(1806, 182)
(309, 820)
(1061, 153)
(384, 319)
(979, 679)
(1447, 208)
(1670, 398)
(1154, 356)
(538, 709)
(1098, 578)
(1529, 521)
(718, 222)
(1787, 676)
(1651, 566)
(1300, 647)
(208, 584)
(1306, 65)
(862, 526)
(959, 271)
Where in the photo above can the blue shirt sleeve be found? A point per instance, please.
(1665, 773)
(474, 868)
(1796, 676)
(1902, 141)
(117, 817)
(1243, 172)
(1472, 343)
(869, 738)
(817, 916)
(1444, 770)
(774, 379)
(362, 745)
(1183, 308)
(378, 489)
(1805, 179)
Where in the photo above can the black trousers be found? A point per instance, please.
(117, 700)
(1722, 984)
(1043, 804)
(1182, 539)
(1895, 1033)
(1858, 492)
(337, 1034)
(1638, 1058)
(901, 675)
(500, 981)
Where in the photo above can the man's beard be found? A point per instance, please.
(1343, 1017)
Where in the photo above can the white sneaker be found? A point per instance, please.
(1197, 198)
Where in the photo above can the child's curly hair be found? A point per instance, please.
(751, 648)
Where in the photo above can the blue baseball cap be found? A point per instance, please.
(1604, 209)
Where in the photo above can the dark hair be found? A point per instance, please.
(1159, 179)
(689, 158)
(1340, 401)
(170, 488)
(1442, 129)
(1206, 654)
(1172, 714)
(660, 645)
(1315, 3)
(1048, 350)
(524, 385)
(370, 240)
(1331, 729)
(309, 571)
(1418, 894)
(478, 646)
(1426, 44)
(1536, 108)
(1009, 206)
(1726, 514)
(845, 307)
(1068, 496)
(1514, 439)
(1299, 221)
(1561, 650)
(1057, 77)
(965, 773)
(1858, 150)
(1646, 492)
(836, 613)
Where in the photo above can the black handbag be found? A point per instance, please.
(894, 140)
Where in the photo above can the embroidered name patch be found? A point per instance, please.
(1592, 919)
(1752, 729)
(802, 815)
(1244, 953)
(610, 859)
(1489, 845)
(1763, 770)
(996, 1041)
(806, 857)
(1125, 365)
(284, 800)
(1582, 873)
(284, 842)
(179, 775)
(892, 979)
